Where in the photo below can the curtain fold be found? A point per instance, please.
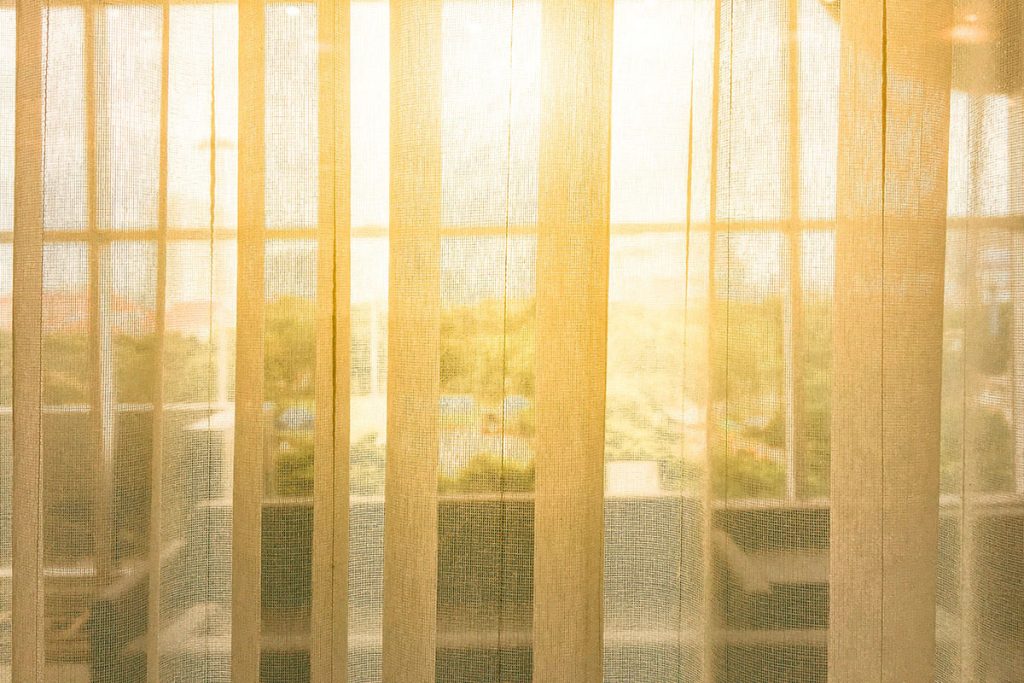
(248, 484)
(890, 248)
(26, 348)
(414, 345)
(981, 380)
(509, 340)
(572, 300)
(329, 575)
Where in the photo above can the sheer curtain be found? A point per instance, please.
(506, 340)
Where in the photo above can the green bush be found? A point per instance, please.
(294, 467)
(487, 349)
(485, 472)
(743, 475)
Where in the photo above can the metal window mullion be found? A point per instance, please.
(105, 234)
(102, 386)
(792, 320)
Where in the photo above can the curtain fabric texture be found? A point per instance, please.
(512, 340)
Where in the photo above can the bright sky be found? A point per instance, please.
(658, 44)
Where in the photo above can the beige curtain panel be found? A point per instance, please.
(507, 341)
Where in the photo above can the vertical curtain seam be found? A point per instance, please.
(709, 621)
(156, 464)
(328, 625)
(887, 391)
(876, 373)
(881, 337)
(503, 520)
(680, 621)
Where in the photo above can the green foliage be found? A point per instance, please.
(483, 342)
(66, 363)
(653, 363)
(487, 351)
(991, 335)
(633, 432)
(993, 451)
(681, 475)
(67, 376)
(523, 423)
(289, 344)
(990, 451)
(485, 472)
(817, 365)
(989, 438)
(773, 434)
(741, 474)
(749, 361)
(294, 465)
(188, 368)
